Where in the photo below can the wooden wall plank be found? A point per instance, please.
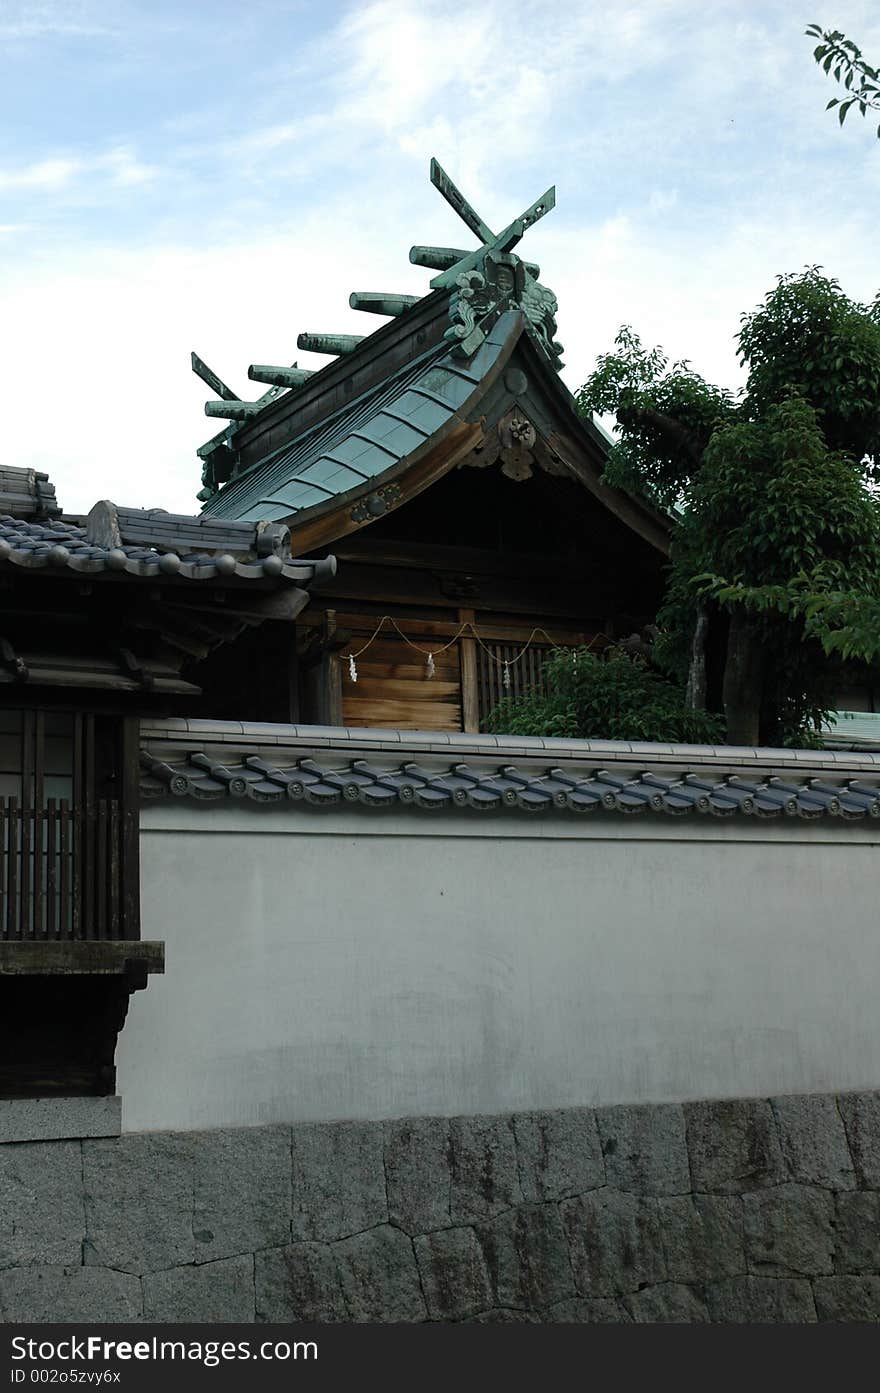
(416, 689)
(400, 715)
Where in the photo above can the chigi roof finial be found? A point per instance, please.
(482, 285)
(491, 279)
(504, 242)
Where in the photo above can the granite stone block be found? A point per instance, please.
(298, 1283)
(668, 1303)
(212, 1292)
(69, 1295)
(847, 1298)
(789, 1230)
(615, 1242)
(761, 1301)
(604, 1310)
(485, 1179)
(502, 1315)
(558, 1153)
(702, 1237)
(733, 1145)
(644, 1149)
(813, 1141)
(139, 1202)
(42, 1219)
(527, 1256)
(338, 1179)
(242, 1191)
(418, 1160)
(861, 1117)
(50, 1119)
(476, 1219)
(454, 1275)
(857, 1234)
(379, 1276)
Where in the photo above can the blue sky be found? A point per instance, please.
(220, 176)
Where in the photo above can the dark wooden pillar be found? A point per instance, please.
(470, 695)
(129, 821)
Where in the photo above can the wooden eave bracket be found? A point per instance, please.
(332, 643)
(9, 659)
(132, 667)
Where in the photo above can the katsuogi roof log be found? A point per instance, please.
(233, 410)
(442, 258)
(279, 377)
(329, 343)
(374, 302)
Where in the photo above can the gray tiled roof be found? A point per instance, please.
(380, 781)
(61, 546)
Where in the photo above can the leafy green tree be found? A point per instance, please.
(612, 696)
(840, 57)
(771, 508)
(776, 524)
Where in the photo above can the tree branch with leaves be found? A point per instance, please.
(777, 525)
(841, 59)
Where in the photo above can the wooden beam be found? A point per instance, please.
(37, 958)
(434, 628)
(284, 605)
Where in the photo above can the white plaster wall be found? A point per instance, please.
(358, 964)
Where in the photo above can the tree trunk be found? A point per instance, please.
(743, 682)
(695, 691)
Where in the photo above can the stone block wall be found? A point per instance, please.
(740, 1211)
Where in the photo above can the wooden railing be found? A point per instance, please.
(61, 872)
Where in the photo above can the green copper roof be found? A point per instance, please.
(362, 441)
(480, 287)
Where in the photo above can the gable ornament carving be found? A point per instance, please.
(511, 444)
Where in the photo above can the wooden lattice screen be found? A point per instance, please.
(526, 674)
(68, 826)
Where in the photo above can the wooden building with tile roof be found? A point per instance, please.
(444, 462)
(103, 620)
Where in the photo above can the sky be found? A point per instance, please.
(220, 176)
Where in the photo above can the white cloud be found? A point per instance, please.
(124, 167)
(87, 176)
(44, 175)
(40, 19)
(689, 147)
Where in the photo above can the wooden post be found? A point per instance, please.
(130, 904)
(88, 817)
(39, 928)
(293, 702)
(66, 919)
(331, 678)
(470, 696)
(51, 867)
(13, 921)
